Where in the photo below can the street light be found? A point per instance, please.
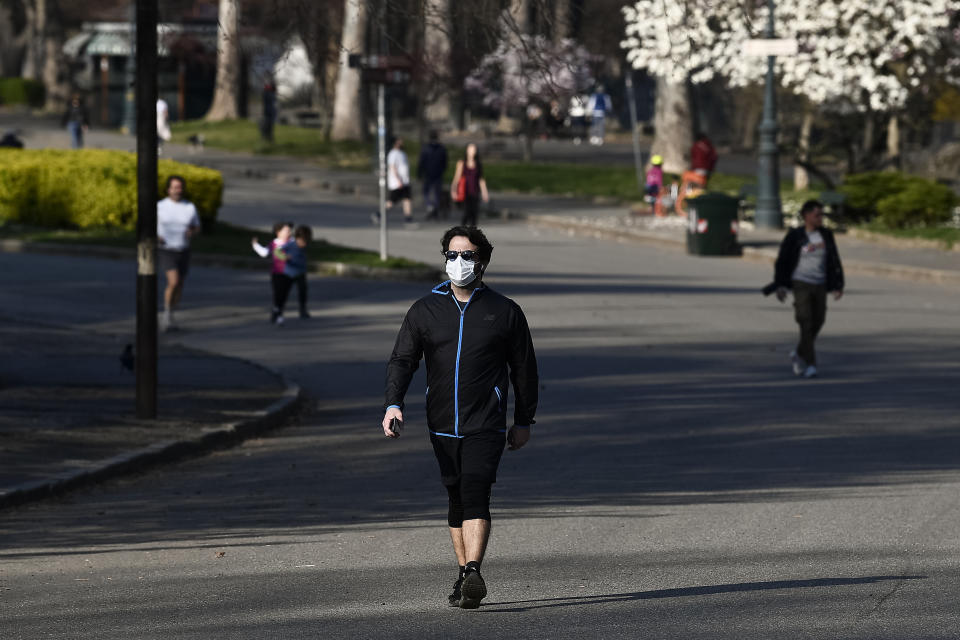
(769, 213)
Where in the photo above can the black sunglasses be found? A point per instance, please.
(469, 254)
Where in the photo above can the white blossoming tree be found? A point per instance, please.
(529, 70)
(854, 55)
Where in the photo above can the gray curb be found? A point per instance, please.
(212, 438)
(860, 267)
(214, 260)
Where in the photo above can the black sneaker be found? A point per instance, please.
(456, 595)
(304, 314)
(473, 589)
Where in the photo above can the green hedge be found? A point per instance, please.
(897, 200)
(21, 91)
(91, 188)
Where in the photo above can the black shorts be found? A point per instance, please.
(475, 455)
(403, 193)
(169, 260)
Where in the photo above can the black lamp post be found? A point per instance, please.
(769, 212)
(129, 125)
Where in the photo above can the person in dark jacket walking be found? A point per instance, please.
(76, 120)
(474, 342)
(430, 169)
(809, 264)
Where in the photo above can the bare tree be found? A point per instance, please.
(347, 114)
(54, 69)
(226, 97)
(673, 121)
(437, 49)
(12, 37)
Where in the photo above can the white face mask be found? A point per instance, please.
(462, 272)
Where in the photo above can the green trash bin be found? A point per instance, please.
(712, 225)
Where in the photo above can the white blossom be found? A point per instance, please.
(853, 54)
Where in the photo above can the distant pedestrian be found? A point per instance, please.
(475, 342)
(398, 179)
(76, 120)
(654, 179)
(598, 107)
(269, 99)
(469, 187)
(163, 124)
(177, 223)
(703, 156)
(809, 264)
(577, 115)
(278, 251)
(430, 169)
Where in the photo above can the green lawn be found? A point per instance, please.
(227, 240)
(582, 180)
(949, 236)
(243, 135)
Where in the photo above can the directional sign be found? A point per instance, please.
(770, 47)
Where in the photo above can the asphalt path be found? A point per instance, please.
(680, 482)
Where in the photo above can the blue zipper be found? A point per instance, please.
(456, 375)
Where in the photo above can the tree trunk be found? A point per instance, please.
(673, 122)
(437, 72)
(347, 114)
(226, 97)
(12, 45)
(754, 111)
(893, 140)
(33, 56)
(562, 23)
(866, 146)
(801, 178)
(54, 74)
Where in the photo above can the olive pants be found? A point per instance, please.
(810, 306)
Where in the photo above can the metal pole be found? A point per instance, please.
(637, 159)
(382, 144)
(769, 213)
(382, 133)
(129, 124)
(146, 92)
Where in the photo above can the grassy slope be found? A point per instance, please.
(228, 239)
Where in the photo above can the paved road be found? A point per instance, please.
(680, 482)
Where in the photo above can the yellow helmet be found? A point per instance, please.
(656, 159)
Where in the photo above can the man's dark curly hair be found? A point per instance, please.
(474, 235)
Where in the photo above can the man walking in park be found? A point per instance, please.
(809, 264)
(177, 222)
(473, 341)
(398, 179)
(430, 169)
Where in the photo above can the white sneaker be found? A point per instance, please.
(810, 372)
(798, 364)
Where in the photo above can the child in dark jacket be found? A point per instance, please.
(296, 266)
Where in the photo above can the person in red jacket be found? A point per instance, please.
(703, 157)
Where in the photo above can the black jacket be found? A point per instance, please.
(433, 162)
(789, 256)
(467, 348)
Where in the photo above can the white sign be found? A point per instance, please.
(770, 47)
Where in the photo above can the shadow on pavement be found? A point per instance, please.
(687, 592)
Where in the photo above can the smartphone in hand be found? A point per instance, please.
(396, 425)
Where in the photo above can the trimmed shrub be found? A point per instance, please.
(22, 91)
(865, 190)
(921, 204)
(897, 200)
(91, 188)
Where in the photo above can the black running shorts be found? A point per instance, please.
(476, 455)
(169, 260)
